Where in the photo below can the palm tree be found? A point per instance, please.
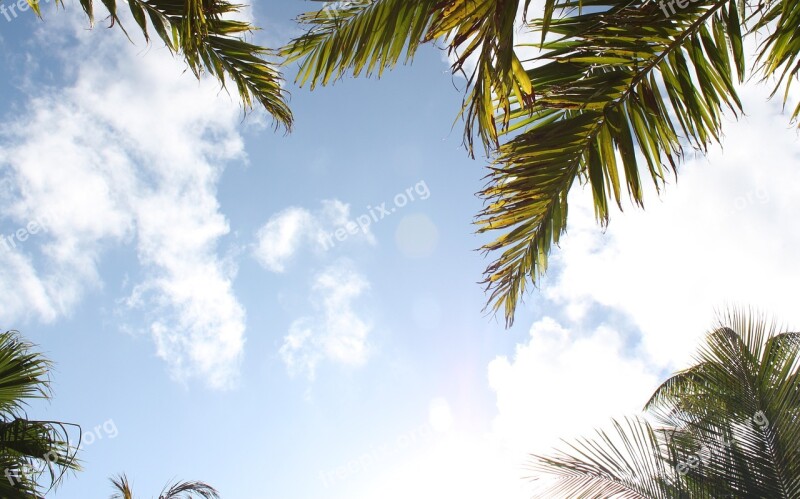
(619, 89)
(179, 490)
(727, 427)
(210, 40)
(27, 447)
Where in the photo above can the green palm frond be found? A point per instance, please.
(37, 449)
(23, 373)
(203, 32)
(619, 82)
(178, 490)
(369, 36)
(360, 37)
(483, 31)
(779, 52)
(622, 88)
(28, 449)
(731, 427)
(625, 462)
(123, 487)
(189, 489)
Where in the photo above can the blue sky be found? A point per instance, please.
(201, 327)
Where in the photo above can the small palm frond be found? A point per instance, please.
(483, 31)
(779, 52)
(210, 41)
(366, 36)
(28, 448)
(622, 79)
(188, 490)
(627, 462)
(370, 36)
(123, 487)
(23, 374)
(37, 449)
(178, 490)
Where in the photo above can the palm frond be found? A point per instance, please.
(483, 31)
(738, 408)
(178, 490)
(23, 373)
(366, 36)
(779, 52)
(37, 449)
(28, 448)
(621, 80)
(624, 462)
(369, 36)
(123, 486)
(203, 32)
(189, 489)
(731, 427)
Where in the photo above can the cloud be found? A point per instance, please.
(281, 236)
(565, 381)
(336, 332)
(295, 228)
(633, 303)
(724, 235)
(130, 152)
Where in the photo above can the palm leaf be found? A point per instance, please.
(730, 427)
(25, 444)
(618, 81)
(740, 404)
(370, 36)
(360, 37)
(625, 462)
(178, 490)
(23, 373)
(203, 32)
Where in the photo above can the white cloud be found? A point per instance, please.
(281, 236)
(295, 228)
(565, 382)
(129, 153)
(336, 332)
(724, 235)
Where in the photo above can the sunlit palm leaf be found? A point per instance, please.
(618, 81)
(779, 53)
(369, 36)
(123, 487)
(203, 32)
(359, 37)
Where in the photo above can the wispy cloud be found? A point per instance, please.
(724, 235)
(129, 153)
(336, 332)
(294, 229)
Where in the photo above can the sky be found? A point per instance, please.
(298, 315)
